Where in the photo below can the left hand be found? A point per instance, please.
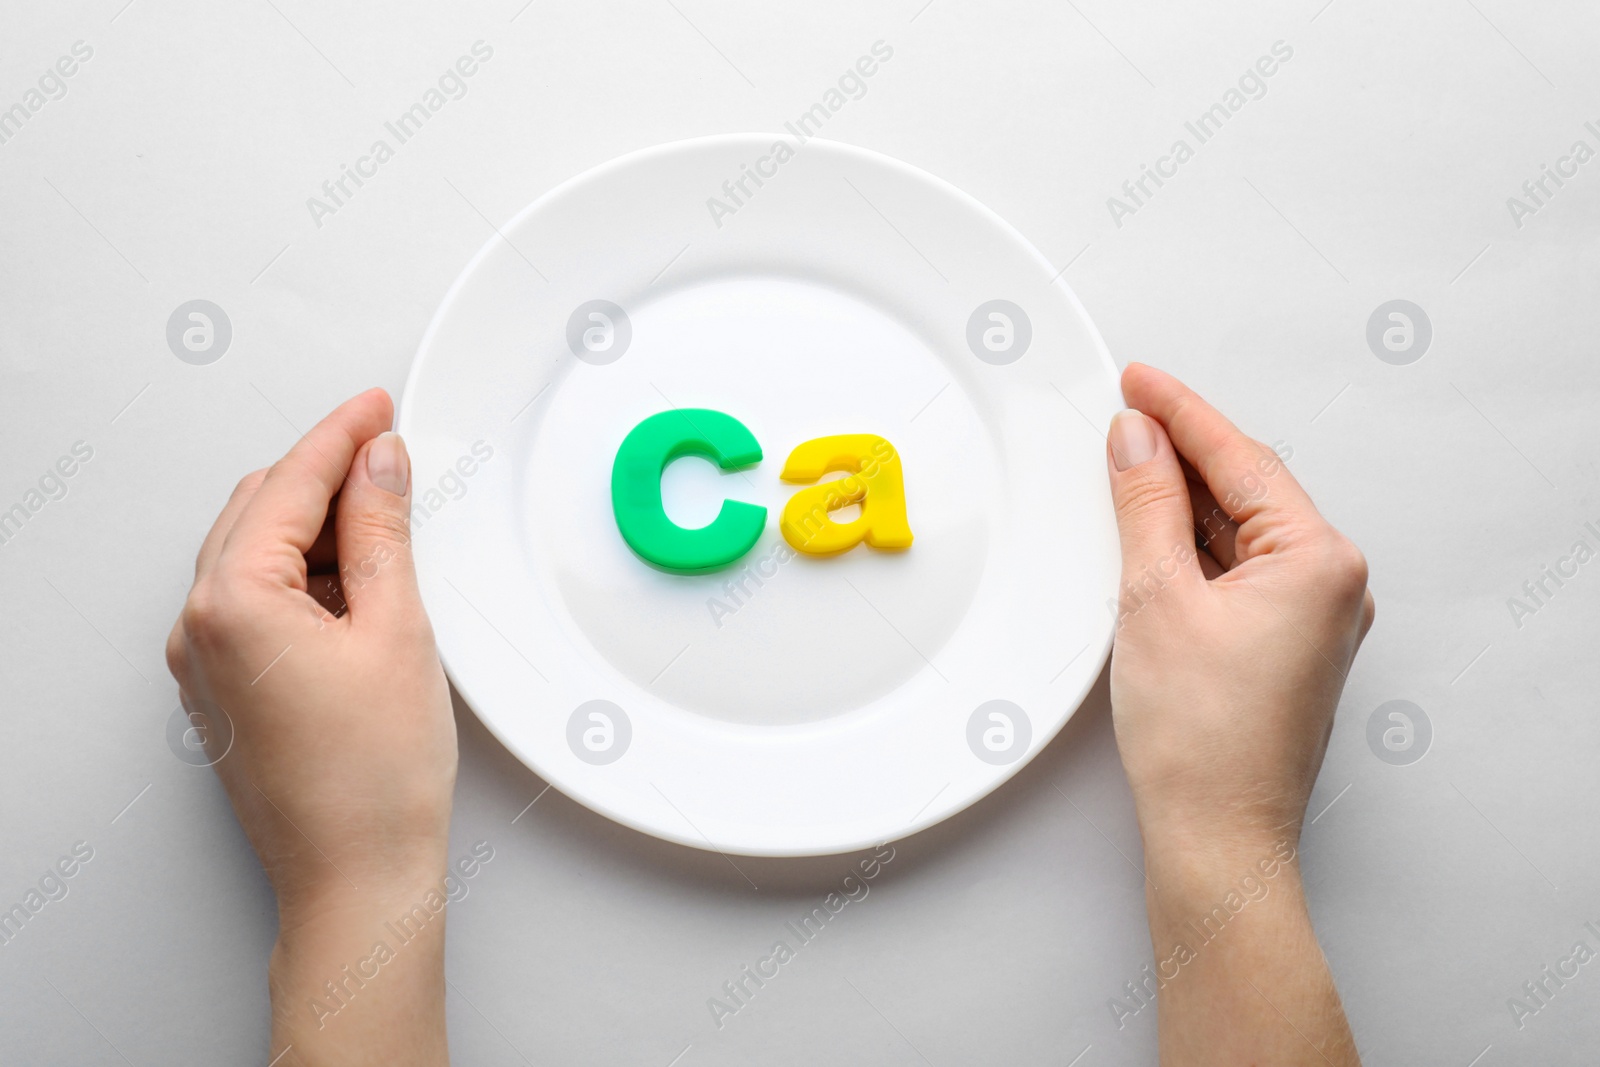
(343, 756)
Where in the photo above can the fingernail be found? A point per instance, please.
(1133, 439)
(387, 463)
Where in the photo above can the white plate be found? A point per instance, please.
(842, 701)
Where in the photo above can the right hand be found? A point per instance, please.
(1229, 659)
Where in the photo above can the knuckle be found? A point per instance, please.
(210, 615)
(1145, 496)
(250, 482)
(388, 532)
(1343, 565)
(177, 653)
(283, 467)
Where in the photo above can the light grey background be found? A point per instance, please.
(1377, 166)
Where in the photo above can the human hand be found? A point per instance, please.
(1230, 659)
(1228, 665)
(343, 756)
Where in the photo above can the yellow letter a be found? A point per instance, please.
(873, 481)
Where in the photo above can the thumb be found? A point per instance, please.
(373, 532)
(1154, 517)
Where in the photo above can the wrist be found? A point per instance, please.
(1195, 875)
(1197, 832)
(360, 969)
(322, 905)
(326, 923)
(386, 870)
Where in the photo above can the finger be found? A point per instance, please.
(1216, 532)
(1210, 567)
(1151, 501)
(1245, 476)
(211, 547)
(289, 509)
(374, 534)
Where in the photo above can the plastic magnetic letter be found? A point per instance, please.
(636, 490)
(873, 480)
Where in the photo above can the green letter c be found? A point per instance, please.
(636, 490)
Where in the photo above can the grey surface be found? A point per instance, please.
(1376, 167)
